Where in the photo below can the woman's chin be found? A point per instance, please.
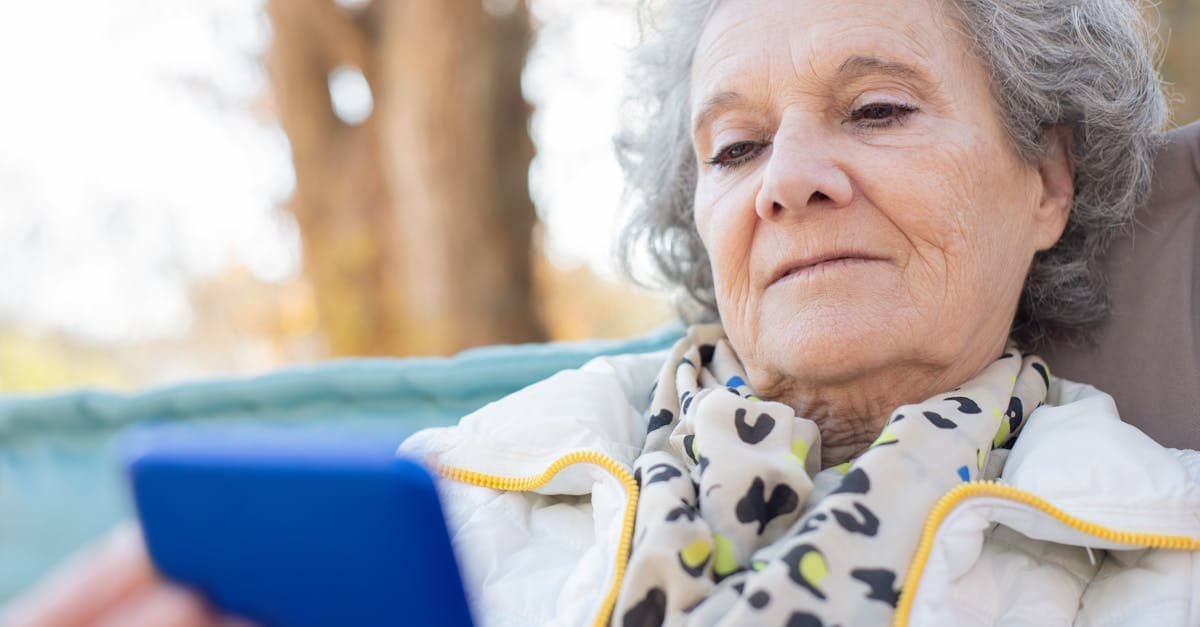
(827, 343)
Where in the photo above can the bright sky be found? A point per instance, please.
(131, 162)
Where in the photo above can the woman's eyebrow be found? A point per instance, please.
(713, 106)
(859, 66)
(852, 68)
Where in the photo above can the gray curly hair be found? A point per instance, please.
(1087, 64)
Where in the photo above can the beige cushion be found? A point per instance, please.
(1148, 354)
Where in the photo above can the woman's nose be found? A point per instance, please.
(802, 172)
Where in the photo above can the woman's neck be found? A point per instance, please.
(852, 412)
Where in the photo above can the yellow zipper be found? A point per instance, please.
(523, 484)
(995, 489)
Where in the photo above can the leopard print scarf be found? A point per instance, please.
(737, 524)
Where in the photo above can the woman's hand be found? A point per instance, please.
(109, 585)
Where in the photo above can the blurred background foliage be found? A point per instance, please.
(277, 182)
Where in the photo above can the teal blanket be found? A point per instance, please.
(61, 485)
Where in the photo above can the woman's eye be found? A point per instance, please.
(735, 154)
(880, 114)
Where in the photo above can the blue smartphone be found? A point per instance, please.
(290, 529)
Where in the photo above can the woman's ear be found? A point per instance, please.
(1057, 172)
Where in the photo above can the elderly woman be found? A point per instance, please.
(886, 207)
(878, 211)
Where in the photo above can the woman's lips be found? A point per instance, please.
(832, 264)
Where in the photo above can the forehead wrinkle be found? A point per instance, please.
(814, 79)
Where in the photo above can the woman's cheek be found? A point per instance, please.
(725, 222)
(702, 211)
(716, 220)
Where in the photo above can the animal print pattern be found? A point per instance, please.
(737, 524)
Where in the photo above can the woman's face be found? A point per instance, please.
(856, 145)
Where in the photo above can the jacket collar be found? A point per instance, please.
(1076, 453)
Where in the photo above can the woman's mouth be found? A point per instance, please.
(822, 266)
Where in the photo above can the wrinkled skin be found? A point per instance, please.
(867, 128)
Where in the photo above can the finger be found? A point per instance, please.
(164, 605)
(88, 585)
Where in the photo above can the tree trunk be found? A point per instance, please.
(458, 159)
(416, 223)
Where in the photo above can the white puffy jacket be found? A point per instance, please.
(1092, 522)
